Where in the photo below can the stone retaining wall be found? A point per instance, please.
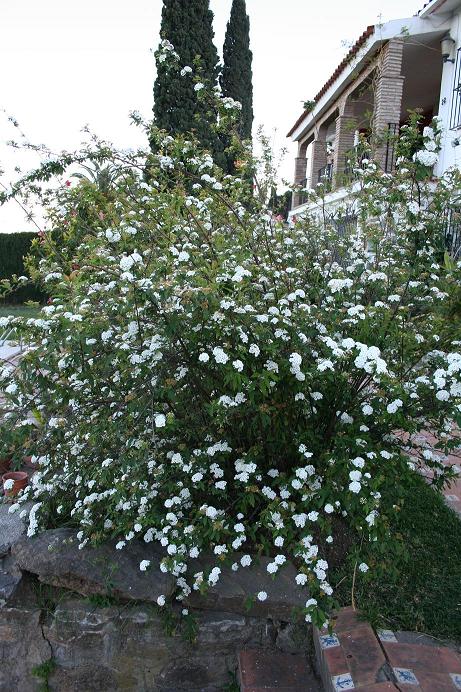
(104, 642)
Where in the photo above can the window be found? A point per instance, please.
(455, 116)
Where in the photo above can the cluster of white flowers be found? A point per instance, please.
(218, 382)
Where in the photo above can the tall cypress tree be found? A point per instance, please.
(236, 77)
(188, 25)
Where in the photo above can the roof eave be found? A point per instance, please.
(431, 7)
(412, 26)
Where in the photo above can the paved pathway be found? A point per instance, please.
(355, 657)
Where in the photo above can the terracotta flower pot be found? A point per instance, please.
(5, 465)
(20, 480)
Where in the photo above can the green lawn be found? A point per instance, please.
(419, 587)
(19, 311)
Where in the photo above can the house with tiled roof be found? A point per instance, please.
(393, 68)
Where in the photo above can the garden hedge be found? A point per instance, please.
(13, 248)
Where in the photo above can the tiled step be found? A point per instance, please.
(269, 671)
(353, 657)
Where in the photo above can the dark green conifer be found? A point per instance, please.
(188, 25)
(236, 77)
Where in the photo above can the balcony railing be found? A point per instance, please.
(325, 175)
(453, 233)
(391, 140)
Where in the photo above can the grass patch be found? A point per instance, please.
(19, 310)
(418, 587)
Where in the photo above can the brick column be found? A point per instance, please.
(300, 173)
(318, 155)
(300, 168)
(344, 140)
(388, 98)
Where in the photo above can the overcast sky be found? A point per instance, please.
(66, 64)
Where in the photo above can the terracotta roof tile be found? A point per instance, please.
(342, 65)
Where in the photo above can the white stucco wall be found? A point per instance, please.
(450, 155)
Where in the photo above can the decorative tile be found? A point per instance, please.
(405, 676)
(456, 679)
(452, 498)
(328, 641)
(387, 635)
(342, 682)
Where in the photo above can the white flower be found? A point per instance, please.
(358, 462)
(214, 576)
(204, 357)
(272, 567)
(363, 567)
(199, 86)
(126, 263)
(394, 405)
(301, 579)
(262, 595)
(329, 508)
(443, 395)
(295, 360)
(143, 565)
(245, 560)
(211, 512)
(254, 350)
(161, 600)
(336, 285)
(428, 132)
(238, 365)
(355, 487)
(8, 484)
(159, 420)
(427, 158)
(220, 356)
(240, 272)
(325, 364)
(355, 475)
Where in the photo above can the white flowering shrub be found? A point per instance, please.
(214, 380)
